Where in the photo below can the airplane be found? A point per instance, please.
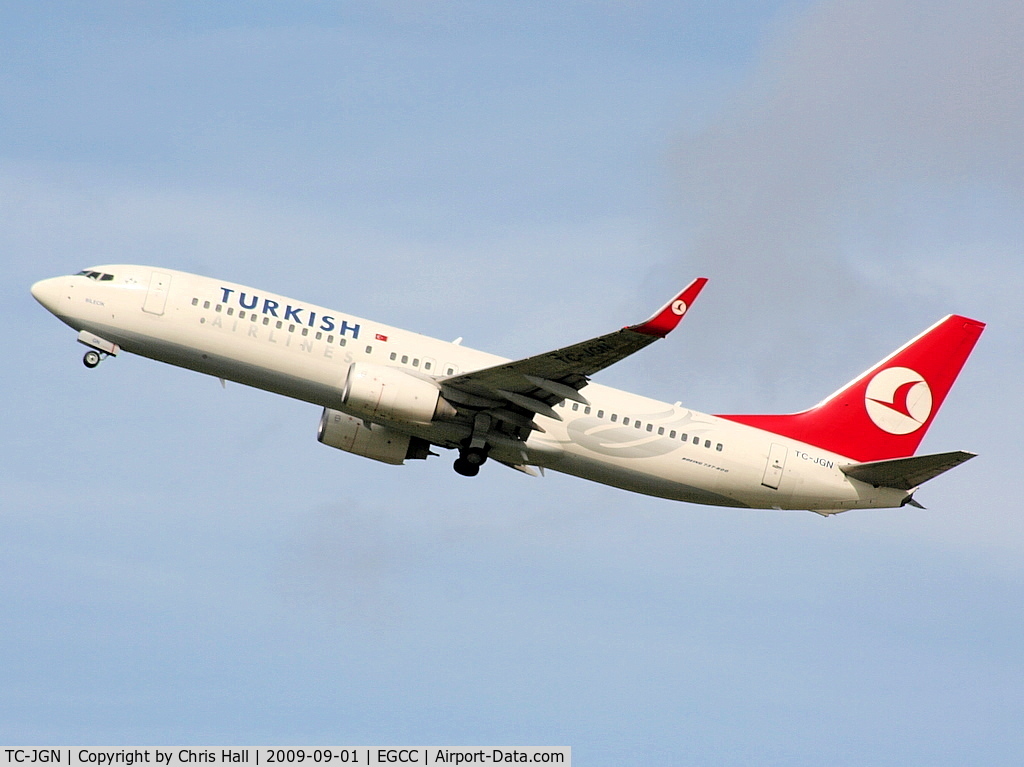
(392, 395)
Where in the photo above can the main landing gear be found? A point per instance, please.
(92, 359)
(470, 460)
(474, 451)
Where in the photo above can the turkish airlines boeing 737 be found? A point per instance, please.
(390, 395)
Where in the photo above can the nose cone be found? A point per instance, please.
(48, 293)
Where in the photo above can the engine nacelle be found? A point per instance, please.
(382, 393)
(352, 434)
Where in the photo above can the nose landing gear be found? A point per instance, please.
(99, 349)
(93, 358)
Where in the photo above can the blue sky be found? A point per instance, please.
(185, 564)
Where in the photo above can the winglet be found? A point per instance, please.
(667, 317)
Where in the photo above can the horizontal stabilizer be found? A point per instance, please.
(906, 473)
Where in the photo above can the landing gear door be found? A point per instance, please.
(156, 297)
(776, 463)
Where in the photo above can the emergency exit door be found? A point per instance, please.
(776, 463)
(156, 297)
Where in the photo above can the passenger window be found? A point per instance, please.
(637, 424)
(707, 443)
(305, 331)
(241, 315)
(426, 365)
(575, 405)
(206, 304)
(319, 335)
(369, 350)
(393, 356)
(600, 414)
(266, 320)
(231, 311)
(330, 339)
(718, 447)
(416, 362)
(195, 302)
(696, 440)
(650, 427)
(279, 324)
(219, 307)
(342, 340)
(291, 328)
(661, 430)
(684, 437)
(615, 417)
(586, 410)
(405, 359)
(625, 422)
(672, 434)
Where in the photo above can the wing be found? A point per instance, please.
(514, 392)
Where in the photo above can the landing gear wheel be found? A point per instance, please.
(474, 456)
(466, 469)
(91, 359)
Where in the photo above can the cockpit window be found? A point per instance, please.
(98, 276)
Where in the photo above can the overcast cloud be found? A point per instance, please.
(873, 155)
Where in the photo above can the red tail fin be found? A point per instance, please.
(885, 412)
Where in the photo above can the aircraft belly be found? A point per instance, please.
(318, 384)
(621, 474)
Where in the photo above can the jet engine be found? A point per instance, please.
(354, 435)
(382, 393)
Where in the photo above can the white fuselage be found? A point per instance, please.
(304, 351)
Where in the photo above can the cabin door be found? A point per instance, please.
(156, 298)
(776, 463)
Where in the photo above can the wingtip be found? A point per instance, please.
(909, 501)
(665, 320)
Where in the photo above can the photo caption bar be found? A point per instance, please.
(267, 757)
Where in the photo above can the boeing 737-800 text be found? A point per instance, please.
(390, 395)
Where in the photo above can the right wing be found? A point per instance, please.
(515, 391)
